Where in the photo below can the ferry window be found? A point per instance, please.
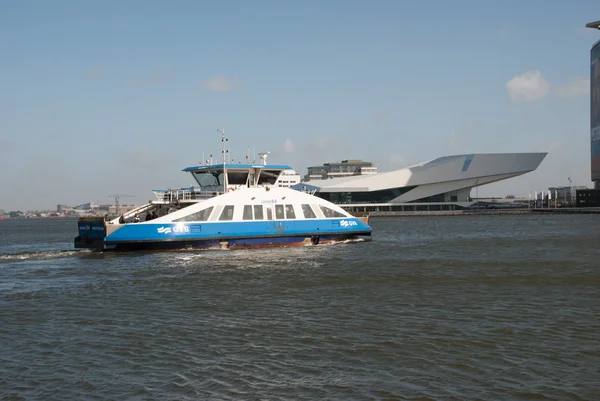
(258, 212)
(247, 212)
(268, 177)
(330, 212)
(209, 178)
(269, 213)
(308, 212)
(202, 215)
(227, 213)
(279, 212)
(289, 212)
(237, 177)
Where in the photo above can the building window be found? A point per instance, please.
(381, 196)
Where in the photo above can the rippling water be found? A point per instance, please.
(490, 307)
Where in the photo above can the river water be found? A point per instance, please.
(434, 308)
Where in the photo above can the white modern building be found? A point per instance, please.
(441, 184)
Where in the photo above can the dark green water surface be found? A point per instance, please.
(434, 308)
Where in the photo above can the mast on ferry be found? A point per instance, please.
(223, 140)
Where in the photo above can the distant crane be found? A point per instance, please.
(118, 198)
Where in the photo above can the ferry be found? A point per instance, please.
(235, 206)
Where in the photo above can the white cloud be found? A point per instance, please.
(579, 87)
(289, 146)
(528, 87)
(219, 84)
(532, 86)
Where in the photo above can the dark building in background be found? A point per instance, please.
(595, 113)
(595, 108)
(588, 198)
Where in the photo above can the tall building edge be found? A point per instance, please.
(595, 109)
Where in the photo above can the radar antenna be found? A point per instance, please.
(263, 157)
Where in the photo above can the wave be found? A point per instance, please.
(41, 255)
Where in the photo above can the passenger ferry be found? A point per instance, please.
(235, 206)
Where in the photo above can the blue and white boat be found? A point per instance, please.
(235, 206)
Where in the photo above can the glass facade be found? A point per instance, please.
(344, 168)
(381, 196)
(595, 114)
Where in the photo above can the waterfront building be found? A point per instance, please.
(565, 196)
(441, 184)
(345, 168)
(595, 108)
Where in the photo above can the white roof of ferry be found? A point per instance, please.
(254, 196)
(237, 166)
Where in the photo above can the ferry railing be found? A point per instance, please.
(184, 194)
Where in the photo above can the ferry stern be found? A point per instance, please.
(92, 231)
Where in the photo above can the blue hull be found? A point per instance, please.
(231, 243)
(230, 235)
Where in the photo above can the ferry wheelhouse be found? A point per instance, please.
(233, 206)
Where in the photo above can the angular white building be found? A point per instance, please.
(444, 181)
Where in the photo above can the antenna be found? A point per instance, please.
(263, 157)
(569, 181)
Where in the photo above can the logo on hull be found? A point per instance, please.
(347, 223)
(174, 230)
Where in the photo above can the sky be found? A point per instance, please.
(117, 97)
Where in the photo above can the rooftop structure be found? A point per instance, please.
(345, 168)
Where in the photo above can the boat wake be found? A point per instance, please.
(43, 255)
(347, 241)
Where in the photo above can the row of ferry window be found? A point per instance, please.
(256, 212)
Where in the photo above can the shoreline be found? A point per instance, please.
(487, 212)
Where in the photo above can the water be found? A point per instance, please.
(434, 308)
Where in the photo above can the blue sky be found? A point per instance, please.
(98, 98)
